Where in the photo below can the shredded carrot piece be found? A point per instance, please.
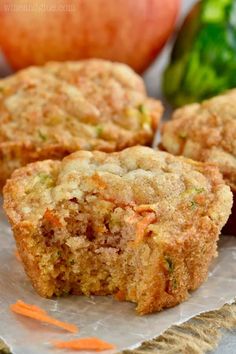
(120, 295)
(119, 204)
(39, 314)
(91, 343)
(142, 226)
(99, 181)
(144, 207)
(52, 218)
(18, 257)
(31, 307)
(200, 199)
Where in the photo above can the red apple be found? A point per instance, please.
(129, 31)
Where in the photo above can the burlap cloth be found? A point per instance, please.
(196, 336)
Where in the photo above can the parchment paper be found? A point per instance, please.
(104, 317)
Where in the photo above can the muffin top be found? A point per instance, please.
(206, 132)
(176, 191)
(90, 105)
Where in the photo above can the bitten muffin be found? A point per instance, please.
(207, 132)
(139, 224)
(48, 112)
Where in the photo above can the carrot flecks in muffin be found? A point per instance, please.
(52, 218)
(120, 295)
(142, 226)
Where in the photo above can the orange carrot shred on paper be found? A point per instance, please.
(30, 307)
(142, 226)
(90, 343)
(39, 314)
(18, 257)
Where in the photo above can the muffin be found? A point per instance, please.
(139, 224)
(48, 112)
(207, 132)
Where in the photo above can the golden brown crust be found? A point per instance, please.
(86, 213)
(51, 111)
(206, 132)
